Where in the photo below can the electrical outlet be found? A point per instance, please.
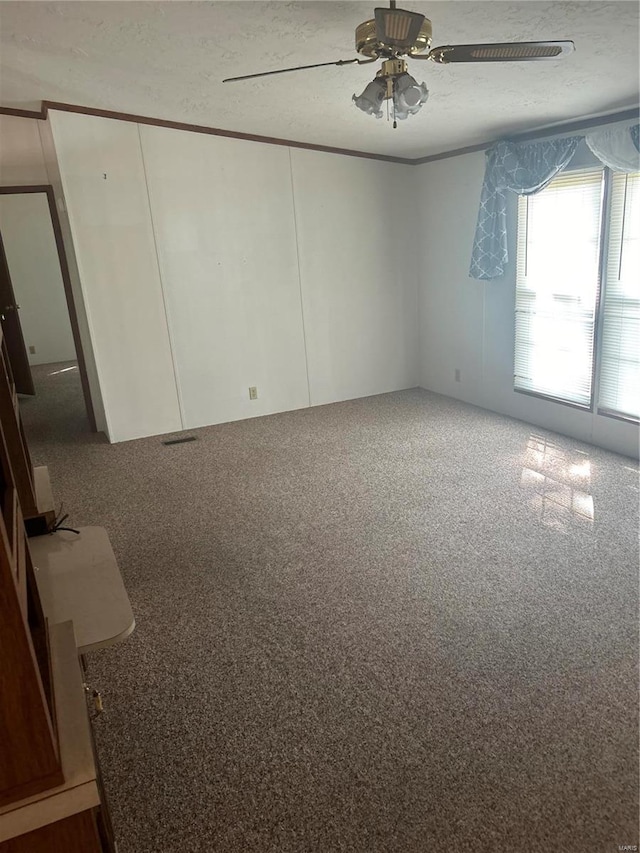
(253, 392)
(32, 350)
(457, 374)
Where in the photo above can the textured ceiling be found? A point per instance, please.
(167, 60)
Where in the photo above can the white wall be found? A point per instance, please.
(469, 325)
(209, 265)
(169, 329)
(358, 269)
(21, 156)
(32, 256)
(54, 179)
(224, 225)
(104, 187)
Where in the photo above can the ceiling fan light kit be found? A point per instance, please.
(370, 101)
(408, 96)
(394, 33)
(395, 84)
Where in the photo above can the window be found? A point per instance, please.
(561, 308)
(619, 392)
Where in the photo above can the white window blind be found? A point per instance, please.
(619, 388)
(557, 285)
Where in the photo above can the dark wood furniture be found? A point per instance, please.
(32, 485)
(51, 798)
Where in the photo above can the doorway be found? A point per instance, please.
(37, 310)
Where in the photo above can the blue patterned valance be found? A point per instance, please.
(527, 167)
(521, 168)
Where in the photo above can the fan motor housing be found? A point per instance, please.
(367, 43)
(393, 68)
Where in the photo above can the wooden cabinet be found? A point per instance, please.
(51, 798)
(30, 760)
(17, 450)
(77, 796)
(77, 834)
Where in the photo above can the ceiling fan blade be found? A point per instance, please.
(397, 28)
(300, 68)
(514, 51)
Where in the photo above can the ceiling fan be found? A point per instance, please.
(394, 33)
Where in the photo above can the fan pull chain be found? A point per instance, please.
(393, 86)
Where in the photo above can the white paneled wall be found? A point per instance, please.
(358, 273)
(32, 256)
(209, 265)
(223, 218)
(469, 325)
(451, 304)
(103, 180)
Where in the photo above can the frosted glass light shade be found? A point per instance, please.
(370, 101)
(408, 96)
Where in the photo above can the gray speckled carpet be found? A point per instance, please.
(399, 624)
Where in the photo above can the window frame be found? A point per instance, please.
(597, 351)
(598, 307)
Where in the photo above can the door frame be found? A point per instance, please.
(13, 337)
(68, 292)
